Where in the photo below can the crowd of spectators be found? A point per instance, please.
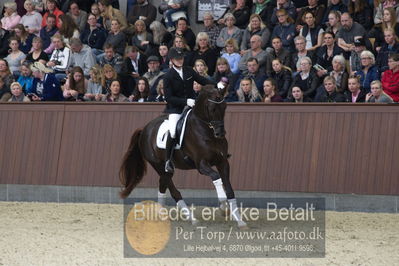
(269, 50)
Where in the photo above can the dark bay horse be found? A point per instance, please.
(204, 146)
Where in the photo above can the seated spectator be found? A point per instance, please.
(297, 96)
(369, 70)
(277, 52)
(95, 10)
(94, 36)
(334, 22)
(211, 29)
(354, 60)
(135, 62)
(311, 31)
(94, 86)
(46, 86)
(24, 38)
(182, 30)
(60, 59)
(47, 32)
(160, 92)
(164, 59)
(142, 39)
(377, 94)
(317, 10)
(282, 76)
(38, 5)
(160, 36)
(241, 13)
(201, 68)
(391, 46)
(255, 52)
(334, 5)
(204, 51)
(68, 28)
(15, 58)
(37, 53)
(264, 9)
(114, 94)
(11, 17)
(17, 93)
(230, 31)
(301, 51)
(270, 91)
(255, 27)
(25, 78)
(339, 73)
(325, 54)
(350, 31)
(361, 12)
(231, 55)
(379, 10)
(82, 56)
(5, 92)
(330, 93)
(32, 20)
(78, 16)
(254, 73)
(116, 37)
(389, 22)
(142, 91)
(144, 11)
(390, 78)
(111, 58)
(154, 74)
(307, 78)
(108, 75)
(355, 93)
(247, 92)
(6, 76)
(170, 7)
(180, 42)
(76, 85)
(223, 70)
(4, 37)
(109, 13)
(52, 9)
(285, 30)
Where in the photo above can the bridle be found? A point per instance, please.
(213, 124)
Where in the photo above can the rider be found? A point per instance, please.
(178, 87)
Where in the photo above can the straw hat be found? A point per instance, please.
(37, 66)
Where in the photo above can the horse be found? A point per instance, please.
(204, 147)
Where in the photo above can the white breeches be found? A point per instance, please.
(173, 118)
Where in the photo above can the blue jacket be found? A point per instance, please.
(95, 39)
(46, 36)
(51, 88)
(365, 80)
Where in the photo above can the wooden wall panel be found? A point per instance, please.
(330, 148)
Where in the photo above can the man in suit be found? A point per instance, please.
(178, 87)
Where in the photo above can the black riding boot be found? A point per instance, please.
(170, 146)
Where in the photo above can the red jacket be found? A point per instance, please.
(390, 84)
(57, 13)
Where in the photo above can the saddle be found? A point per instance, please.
(162, 134)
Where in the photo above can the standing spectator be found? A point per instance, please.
(349, 32)
(247, 92)
(311, 31)
(47, 32)
(93, 35)
(46, 86)
(11, 17)
(52, 9)
(391, 46)
(241, 12)
(255, 27)
(37, 53)
(32, 20)
(204, 51)
(270, 92)
(300, 46)
(288, 6)
(390, 78)
(285, 30)
(60, 59)
(17, 93)
(110, 13)
(282, 76)
(211, 29)
(184, 31)
(24, 38)
(116, 37)
(330, 92)
(334, 22)
(154, 74)
(317, 11)
(355, 94)
(4, 36)
(82, 56)
(369, 70)
(16, 57)
(377, 95)
(231, 55)
(142, 39)
(255, 52)
(229, 31)
(307, 78)
(279, 52)
(144, 11)
(361, 12)
(142, 91)
(110, 57)
(94, 85)
(78, 16)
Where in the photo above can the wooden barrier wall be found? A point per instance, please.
(329, 148)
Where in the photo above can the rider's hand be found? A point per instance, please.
(191, 102)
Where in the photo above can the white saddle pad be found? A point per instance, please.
(162, 134)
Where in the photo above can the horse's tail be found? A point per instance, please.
(133, 166)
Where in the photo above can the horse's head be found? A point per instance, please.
(210, 108)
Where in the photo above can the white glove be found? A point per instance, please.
(220, 85)
(191, 102)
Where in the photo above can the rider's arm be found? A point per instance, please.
(169, 96)
(202, 80)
